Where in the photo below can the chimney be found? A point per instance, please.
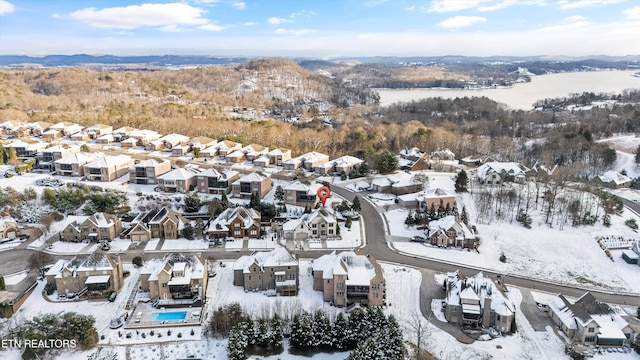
(486, 313)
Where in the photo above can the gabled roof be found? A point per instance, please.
(251, 177)
(248, 216)
(277, 257)
(358, 268)
(179, 174)
(80, 158)
(109, 161)
(502, 168)
(614, 177)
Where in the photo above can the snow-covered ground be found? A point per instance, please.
(184, 244)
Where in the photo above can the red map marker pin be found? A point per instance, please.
(323, 194)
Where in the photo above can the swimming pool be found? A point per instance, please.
(172, 315)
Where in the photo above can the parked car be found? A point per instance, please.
(419, 239)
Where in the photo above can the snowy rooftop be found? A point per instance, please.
(109, 161)
(508, 168)
(615, 177)
(179, 174)
(251, 177)
(358, 268)
(248, 215)
(80, 158)
(276, 257)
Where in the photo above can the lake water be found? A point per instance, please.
(523, 95)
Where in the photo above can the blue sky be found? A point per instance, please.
(321, 28)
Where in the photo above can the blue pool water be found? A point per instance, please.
(173, 315)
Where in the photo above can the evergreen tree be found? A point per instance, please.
(395, 344)
(606, 219)
(248, 329)
(237, 347)
(355, 206)
(224, 201)
(409, 221)
(339, 332)
(356, 318)
(262, 334)
(192, 203)
(432, 212)
(2, 283)
(296, 337)
(188, 231)
(462, 181)
(368, 350)
(638, 155)
(279, 195)
(464, 217)
(3, 155)
(307, 209)
(387, 162)
(275, 338)
(321, 329)
(254, 202)
(348, 222)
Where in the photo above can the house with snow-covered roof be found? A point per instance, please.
(47, 156)
(307, 161)
(451, 232)
(99, 226)
(478, 301)
(73, 165)
(255, 182)
(212, 181)
(94, 275)
(426, 199)
(238, 222)
(498, 172)
(614, 180)
(344, 164)
(399, 183)
(167, 142)
(590, 321)
(176, 280)
(348, 278)
(277, 157)
(440, 155)
(179, 180)
(275, 270)
(164, 223)
(319, 224)
(147, 171)
(299, 194)
(26, 149)
(108, 168)
(8, 227)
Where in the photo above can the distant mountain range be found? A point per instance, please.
(176, 60)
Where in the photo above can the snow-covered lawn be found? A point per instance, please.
(10, 245)
(395, 220)
(119, 245)
(261, 244)
(71, 248)
(184, 244)
(232, 245)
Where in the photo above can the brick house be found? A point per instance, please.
(319, 224)
(108, 168)
(95, 275)
(255, 182)
(299, 194)
(212, 181)
(146, 171)
(176, 279)
(164, 223)
(99, 226)
(273, 270)
(348, 278)
(451, 232)
(238, 222)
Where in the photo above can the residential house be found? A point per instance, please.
(179, 180)
(225, 147)
(8, 226)
(105, 139)
(631, 256)
(498, 172)
(35, 128)
(97, 130)
(236, 156)
(413, 160)
(73, 165)
(428, 198)
(167, 142)
(200, 143)
(614, 180)
(308, 161)
(66, 128)
(9, 127)
(343, 164)
(274, 270)
(80, 136)
(16, 292)
(299, 194)
(108, 168)
(122, 133)
(319, 224)
(25, 149)
(590, 321)
(142, 138)
(399, 183)
(347, 278)
(176, 280)
(254, 151)
(94, 275)
(237, 222)
(254, 182)
(164, 223)
(478, 301)
(146, 171)
(278, 156)
(451, 232)
(212, 181)
(47, 156)
(442, 155)
(51, 135)
(97, 227)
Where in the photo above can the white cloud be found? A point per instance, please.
(211, 27)
(305, 13)
(441, 6)
(575, 18)
(565, 4)
(277, 20)
(457, 22)
(249, 23)
(135, 16)
(239, 5)
(6, 7)
(570, 23)
(296, 32)
(633, 13)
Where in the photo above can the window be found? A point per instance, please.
(590, 339)
(292, 276)
(236, 232)
(314, 225)
(375, 295)
(592, 329)
(164, 285)
(253, 232)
